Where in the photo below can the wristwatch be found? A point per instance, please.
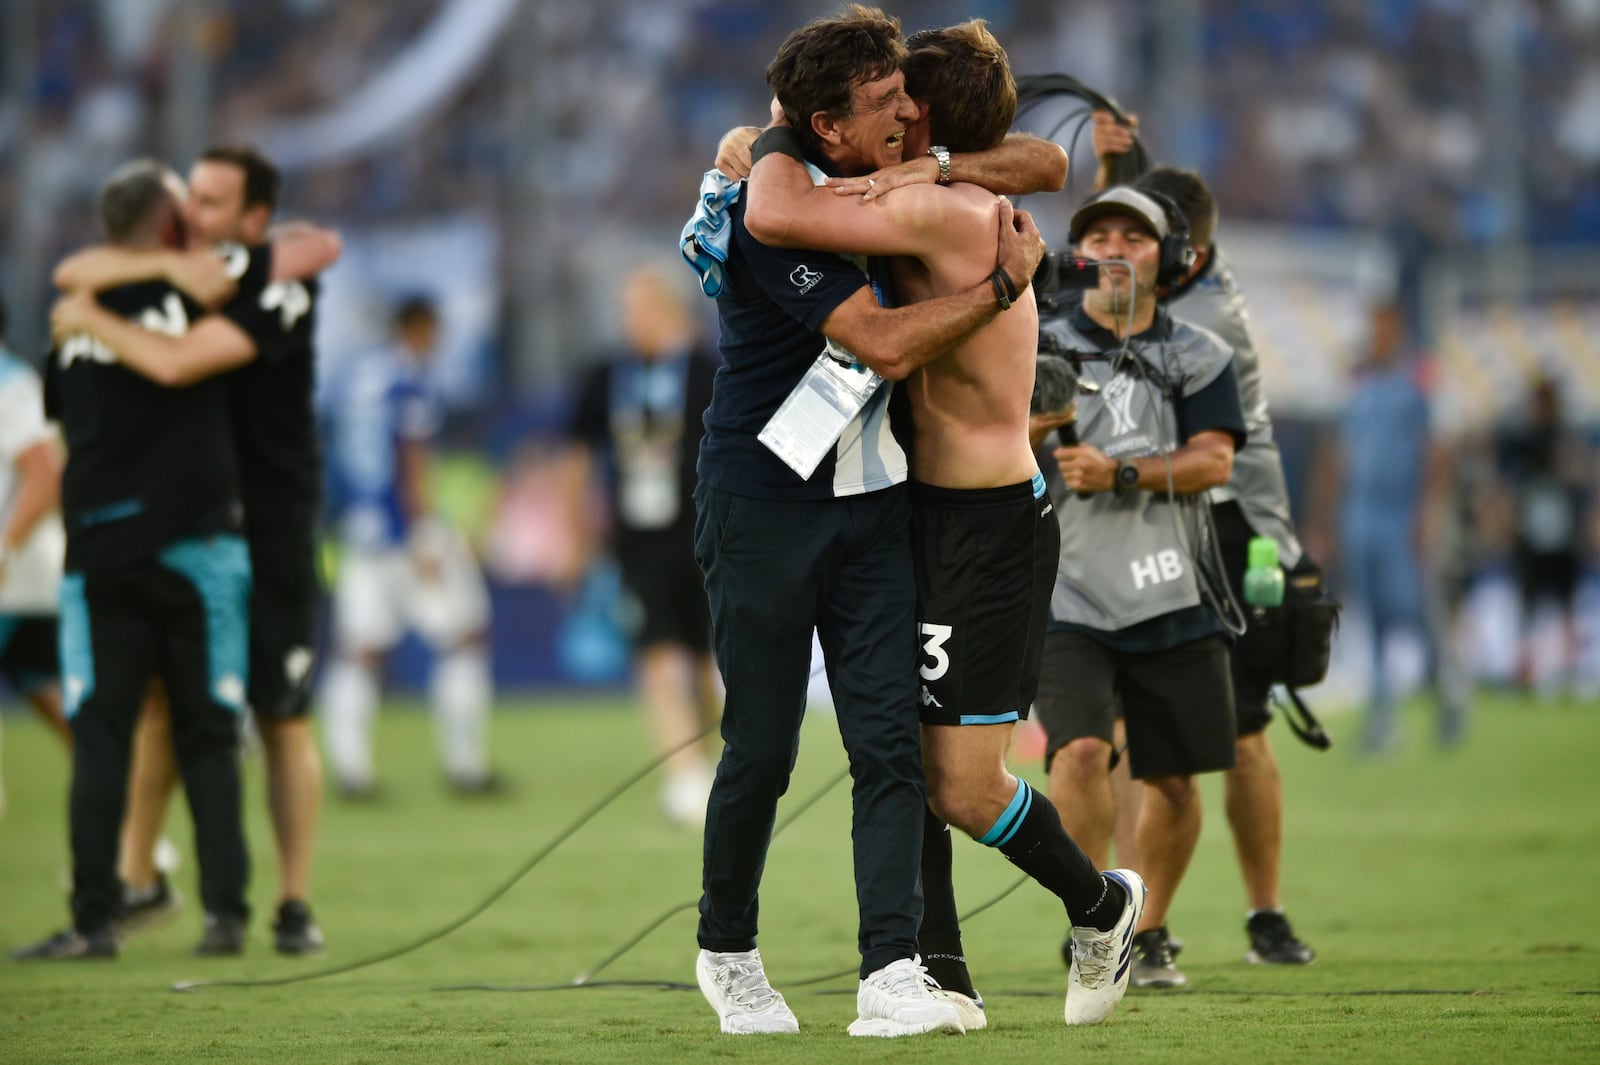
(1127, 477)
(942, 154)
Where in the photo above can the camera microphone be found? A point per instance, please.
(1055, 384)
(1055, 389)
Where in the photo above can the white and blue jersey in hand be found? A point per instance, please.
(382, 403)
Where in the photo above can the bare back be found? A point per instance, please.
(970, 407)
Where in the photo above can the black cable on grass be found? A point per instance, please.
(638, 937)
(493, 897)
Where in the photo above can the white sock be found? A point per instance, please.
(349, 705)
(461, 693)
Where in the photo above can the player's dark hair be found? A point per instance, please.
(3, 316)
(262, 182)
(415, 309)
(1193, 196)
(963, 74)
(131, 195)
(819, 65)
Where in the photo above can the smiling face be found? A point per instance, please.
(874, 134)
(1121, 236)
(215, 209)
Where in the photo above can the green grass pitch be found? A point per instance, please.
(1454, 898)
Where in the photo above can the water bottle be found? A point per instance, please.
(1263, 580)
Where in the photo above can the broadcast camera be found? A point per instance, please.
(1060, 273)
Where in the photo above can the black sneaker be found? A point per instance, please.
(1152, 961)
(150, 910)
(224, 935)
(71, 945)
(294, 932)
(1273, 942)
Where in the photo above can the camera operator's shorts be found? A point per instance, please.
(283, 621)
(985, 561)
(1178, 703)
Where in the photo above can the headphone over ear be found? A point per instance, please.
(1177, 254)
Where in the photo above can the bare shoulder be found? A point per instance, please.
(943, 205)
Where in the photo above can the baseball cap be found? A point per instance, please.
(1120, 199)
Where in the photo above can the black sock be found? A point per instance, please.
(939, 937)
(1030, 835)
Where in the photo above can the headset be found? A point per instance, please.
(1177, 254)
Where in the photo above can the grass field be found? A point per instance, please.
(1454, 899)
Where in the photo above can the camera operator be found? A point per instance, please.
(1254, 502)
(1158, 422)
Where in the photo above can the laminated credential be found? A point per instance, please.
(815, 413)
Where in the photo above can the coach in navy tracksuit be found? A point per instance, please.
(784, 553)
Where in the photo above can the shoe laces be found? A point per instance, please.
(905, 979)
(1092, 956)
(746, 984)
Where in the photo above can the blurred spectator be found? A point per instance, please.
(403, 566)
(1543, 465)
(1387, 458)
(637, 425)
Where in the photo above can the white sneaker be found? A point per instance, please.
(1101, 960)
(968, 1007)
(898, 1000)
(736, 986)
(684, 797)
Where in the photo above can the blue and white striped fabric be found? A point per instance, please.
(706, 236)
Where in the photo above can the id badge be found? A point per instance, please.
(647, 493)
(814, 415)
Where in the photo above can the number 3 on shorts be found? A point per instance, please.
(933, 640)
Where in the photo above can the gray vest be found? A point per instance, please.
(1215, 302)
(1129, 558)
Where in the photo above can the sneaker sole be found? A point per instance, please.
(883, 1028)
(1160, 982)
(1258, 959)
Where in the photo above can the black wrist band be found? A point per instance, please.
(781, 139)
(1004, 291)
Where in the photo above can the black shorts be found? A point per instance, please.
(986, 564)
(1551, 575)
(29, 651)
(666, 591)
(283, 622)
(1178, 703)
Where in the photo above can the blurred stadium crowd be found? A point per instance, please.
(1328, 113)
(550, 144)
